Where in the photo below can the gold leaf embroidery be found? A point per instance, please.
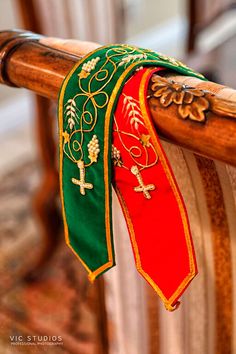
(66, 137)
(83, 74)
(145, 140)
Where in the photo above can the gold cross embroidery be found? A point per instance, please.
(82, 182)
(142, 187)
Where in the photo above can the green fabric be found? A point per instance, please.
(83, 103)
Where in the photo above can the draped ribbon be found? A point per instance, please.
(105, 122)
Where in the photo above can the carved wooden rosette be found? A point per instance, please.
(193, 118)
(191, 102)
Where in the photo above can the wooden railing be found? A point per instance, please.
(201, 119)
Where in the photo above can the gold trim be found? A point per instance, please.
(93, 274)
(168, 302)
(106, 147)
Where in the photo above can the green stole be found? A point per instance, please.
(87, 102)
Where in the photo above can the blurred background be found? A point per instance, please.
(56, 299)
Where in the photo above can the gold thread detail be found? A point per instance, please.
(142, 187)
(170, 177)
(93, 274)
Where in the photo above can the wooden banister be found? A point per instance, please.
(202, 121)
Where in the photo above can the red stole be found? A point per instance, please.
(150, 198)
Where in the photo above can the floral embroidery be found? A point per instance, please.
(137, 144)
(82, 110)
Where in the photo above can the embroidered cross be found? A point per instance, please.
(142, 187)
(82, 182)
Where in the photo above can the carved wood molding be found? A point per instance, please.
(192, 103)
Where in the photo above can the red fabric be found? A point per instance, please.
(164, 253)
